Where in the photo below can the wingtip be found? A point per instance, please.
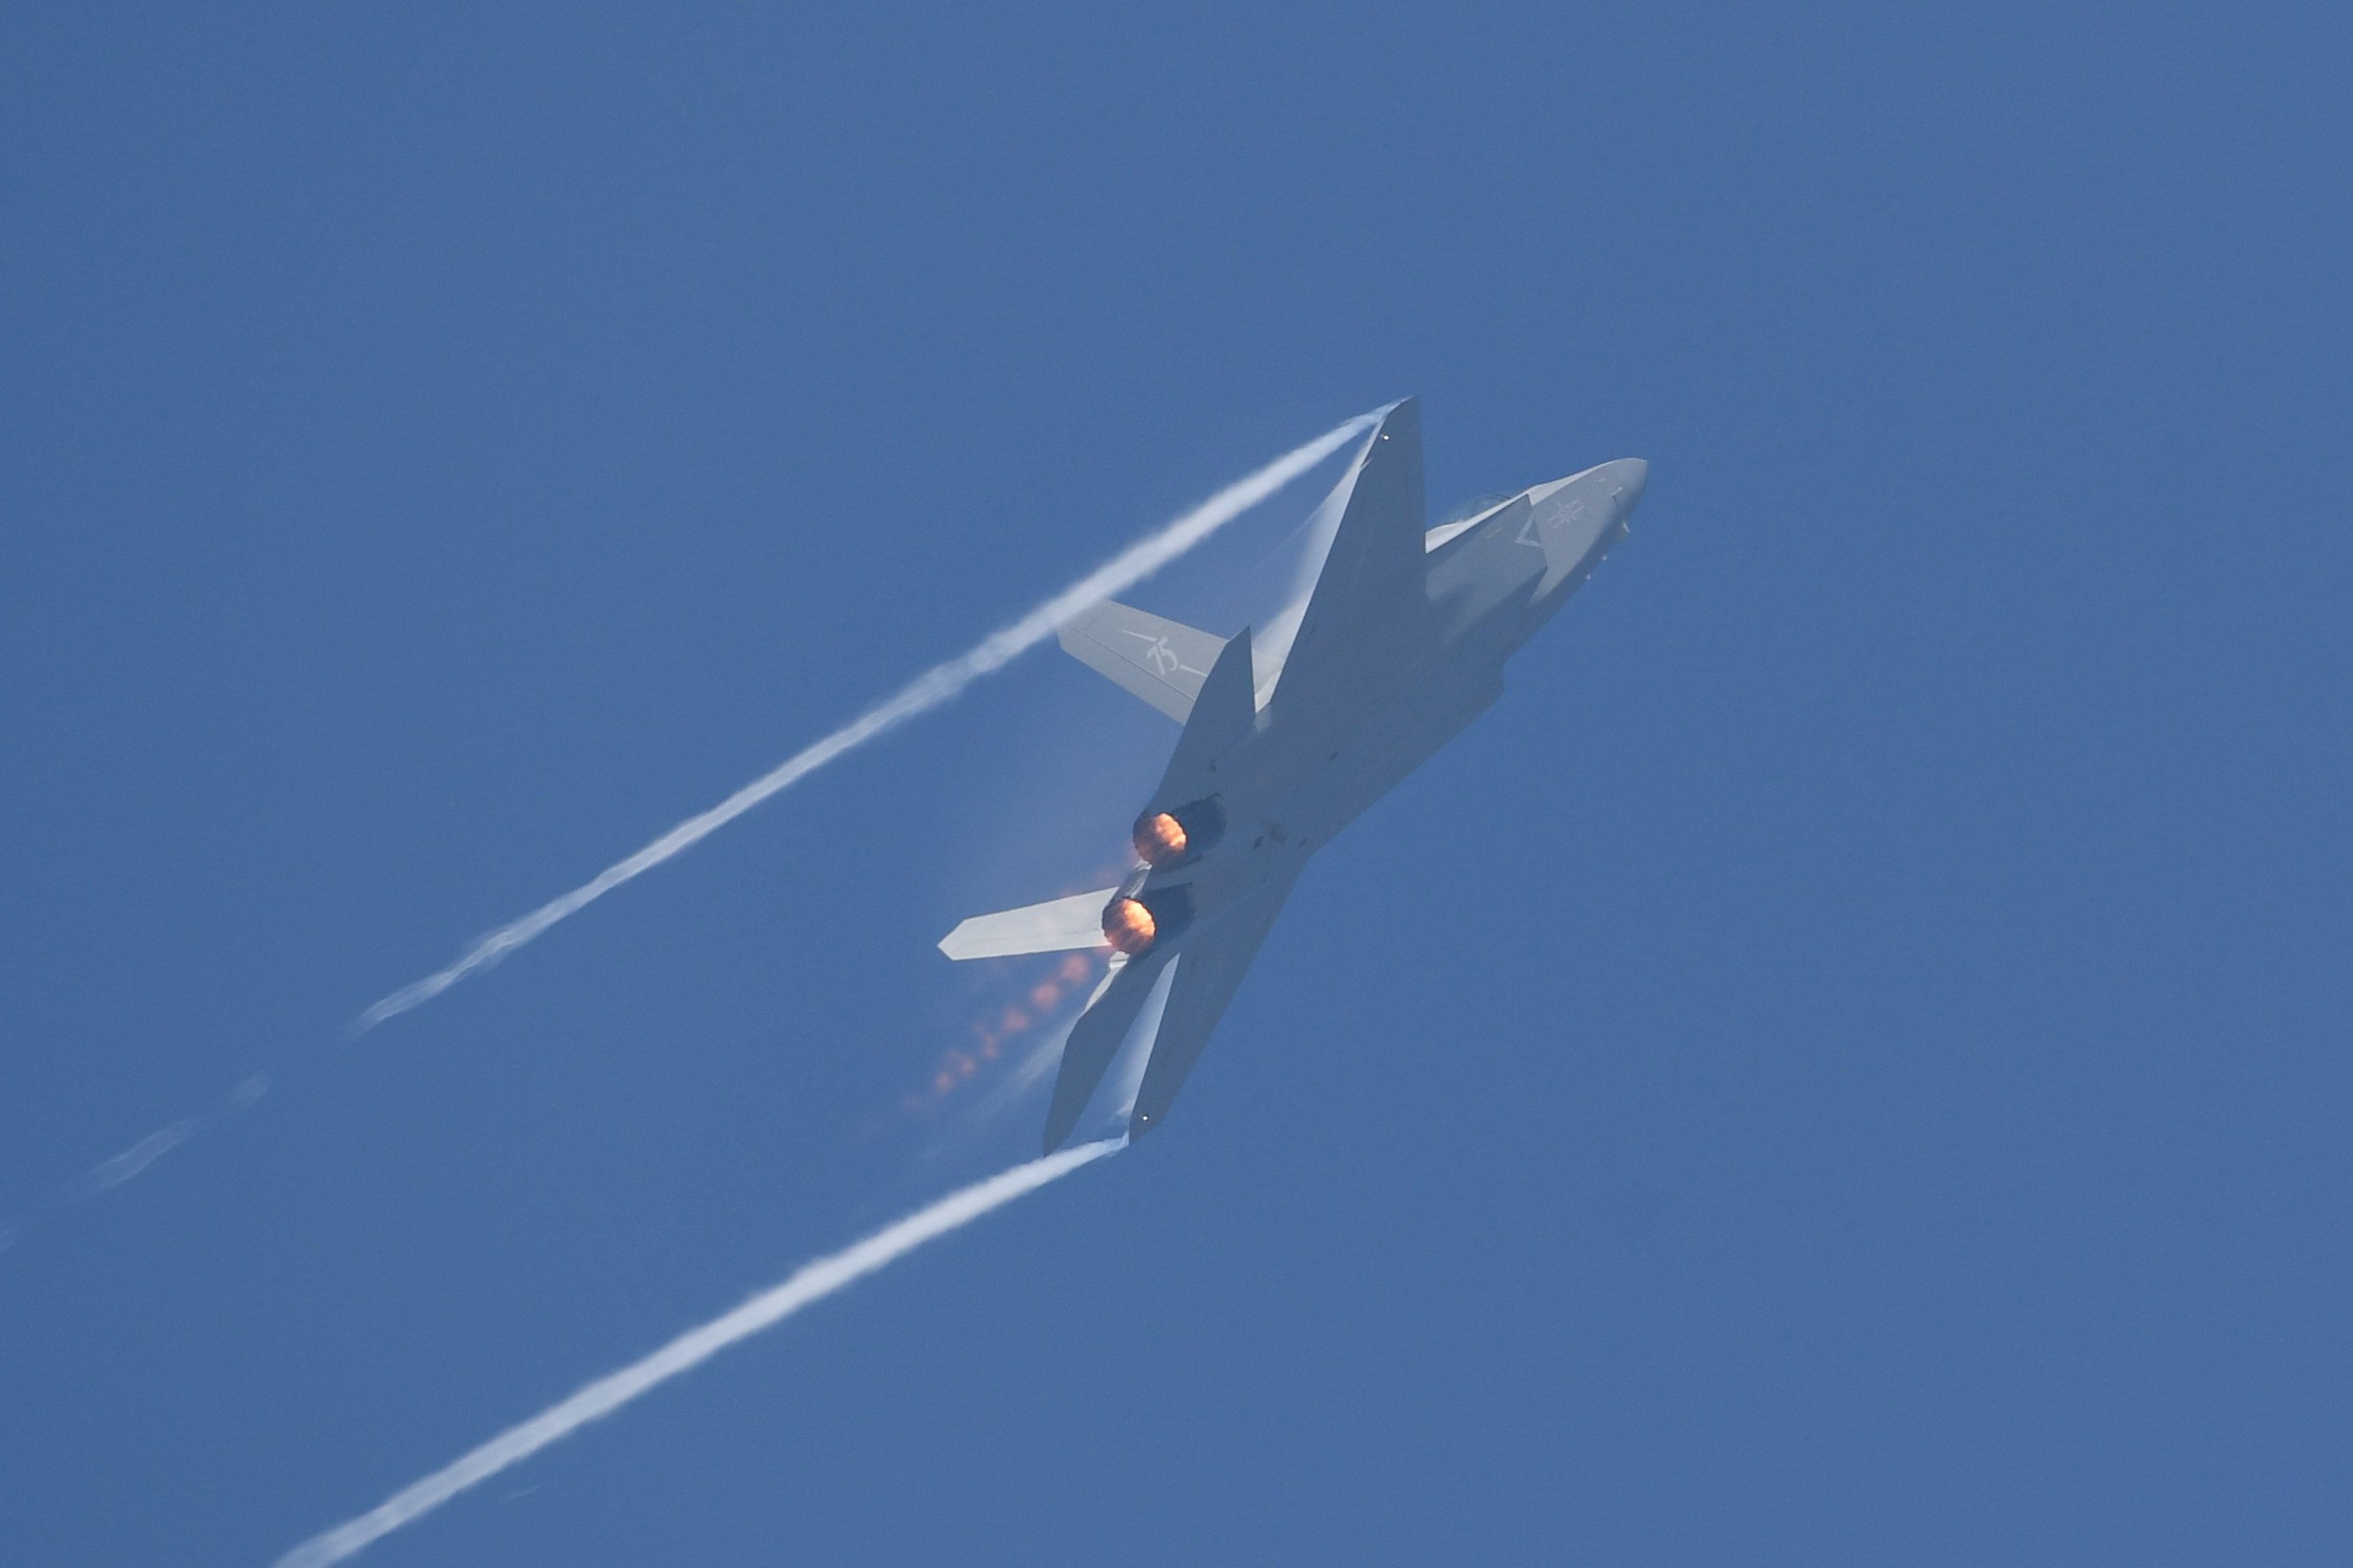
(1058, 1130)
(1400, 421)
(1058, 1138)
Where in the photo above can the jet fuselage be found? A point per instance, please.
(1304, 771)
(1397, 642)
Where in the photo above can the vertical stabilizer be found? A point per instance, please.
(1222, 714)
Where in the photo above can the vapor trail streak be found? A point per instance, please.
(926, 692)
(113, 1173)
(814, 1282)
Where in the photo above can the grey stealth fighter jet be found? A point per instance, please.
(1398, 646)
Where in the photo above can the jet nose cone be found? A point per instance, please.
(1629, 475)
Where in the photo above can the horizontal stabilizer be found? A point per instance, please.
(1159, 660)
(1055, 926)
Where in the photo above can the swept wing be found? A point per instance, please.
(1368, 614)
(1209, 969)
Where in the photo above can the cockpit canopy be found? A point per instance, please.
(1459, 521)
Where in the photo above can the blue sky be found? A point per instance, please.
(1844, 1064)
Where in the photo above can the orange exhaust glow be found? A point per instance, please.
(957, 1069)
(1129, 926)
(1160, 839)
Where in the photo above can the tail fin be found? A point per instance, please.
(1158, 660)
(1222, 714)
(1056, 926)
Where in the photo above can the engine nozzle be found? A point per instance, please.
(1136, 922)
(1173, 837)
(1129, 926)
(1161, 839)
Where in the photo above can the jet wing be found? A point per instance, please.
(1368, 613)
(1095, 1039)
(1209, 967)
(1194, 982)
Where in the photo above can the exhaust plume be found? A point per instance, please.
(935, 685)
(814, 1282)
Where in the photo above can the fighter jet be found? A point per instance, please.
(1399, 642)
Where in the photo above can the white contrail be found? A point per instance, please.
(110, 1173)
(814, 1282)
(113, 1173)
(135, 1160)
(927, 691)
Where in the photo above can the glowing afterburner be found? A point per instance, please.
(1129, 926)
(1161, 839)
(1180, 833)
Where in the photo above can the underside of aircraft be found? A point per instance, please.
(1288, 737)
